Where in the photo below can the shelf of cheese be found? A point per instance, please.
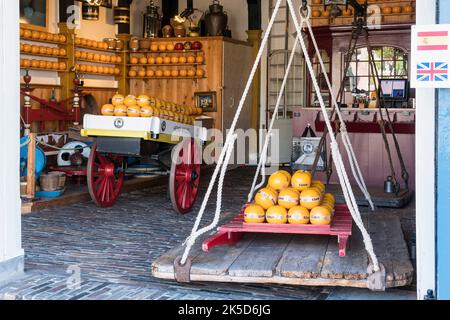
(101, 46)
(98, 62)
(165, 65)
(166, 74)
(146, 107)
(166, 78)
(41, 36)
(43, 51)
(165, 52)
(97, 70)
(400, 11)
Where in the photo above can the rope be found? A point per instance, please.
(190, 241)
(230, 135)
(379, 90)
(357, 174)
(262, 163)
(340, 168)
(38, 142)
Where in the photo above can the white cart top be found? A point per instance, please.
(155, 129)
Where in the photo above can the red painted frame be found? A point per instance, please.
(49, 110)
(231, 233)
(357, 126)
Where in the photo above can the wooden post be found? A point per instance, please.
(67, 77)
(254, 38)
(31, 167)
(124, 84)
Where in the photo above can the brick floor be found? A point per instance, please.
(114, 248)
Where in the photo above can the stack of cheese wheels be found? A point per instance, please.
(147, 107)
(293, 199)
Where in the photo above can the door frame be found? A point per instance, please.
(426, 172)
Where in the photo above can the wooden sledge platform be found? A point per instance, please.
(311, 260)
(230, 233)
(379, 197)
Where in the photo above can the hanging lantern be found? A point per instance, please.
(91, 9)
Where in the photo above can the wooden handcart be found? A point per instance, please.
(175, 147)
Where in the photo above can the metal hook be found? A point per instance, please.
(305, 11)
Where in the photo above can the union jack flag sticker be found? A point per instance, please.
(432, 71)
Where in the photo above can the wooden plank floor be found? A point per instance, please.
(80, 194)
(300, 259)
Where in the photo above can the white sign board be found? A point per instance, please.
(430, 56)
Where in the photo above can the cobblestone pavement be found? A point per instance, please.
(113, 250)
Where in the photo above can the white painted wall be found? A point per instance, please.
(10, 216)
(425, 173)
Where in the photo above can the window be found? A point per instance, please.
(294, 90)
(391, 62)
(318, 72)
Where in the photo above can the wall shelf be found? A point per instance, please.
(44, 41)
(43, 69)
(99, 74)
(99, 62)
(167, 78)
(96, 49)
(165, 65)
(43, 55)
(165, 52)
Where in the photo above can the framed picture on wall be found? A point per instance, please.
(207, 101)
(34, 13)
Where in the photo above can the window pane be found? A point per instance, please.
(363, 55)
(350, 83)
(400, 55)
(352, 70)
(388, 69)
(388, 53)
(363, 83)
(377, 53)
(401, 67)
(363, 69)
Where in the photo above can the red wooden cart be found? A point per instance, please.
(119, 138)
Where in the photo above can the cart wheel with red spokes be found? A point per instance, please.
(185, 175)
(105, 177)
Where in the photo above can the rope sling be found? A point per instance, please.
(226, 152)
